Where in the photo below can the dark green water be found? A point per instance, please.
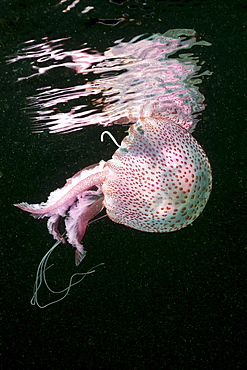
(167, 301)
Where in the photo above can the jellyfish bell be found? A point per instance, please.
(159, 180)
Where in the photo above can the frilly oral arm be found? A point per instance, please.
(43, 209)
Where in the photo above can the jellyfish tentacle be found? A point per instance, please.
(41, 276)
(111, 136)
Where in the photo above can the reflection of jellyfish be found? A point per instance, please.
(159, 179)
(136, 79)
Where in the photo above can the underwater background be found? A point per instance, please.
(165, 301)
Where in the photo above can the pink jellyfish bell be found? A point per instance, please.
(158, 180)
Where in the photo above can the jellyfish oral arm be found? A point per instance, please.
(76, 224)
(78, 201)
(63, 198)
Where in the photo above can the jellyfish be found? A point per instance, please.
(158, 180)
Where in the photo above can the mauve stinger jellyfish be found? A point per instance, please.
(159, 179)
